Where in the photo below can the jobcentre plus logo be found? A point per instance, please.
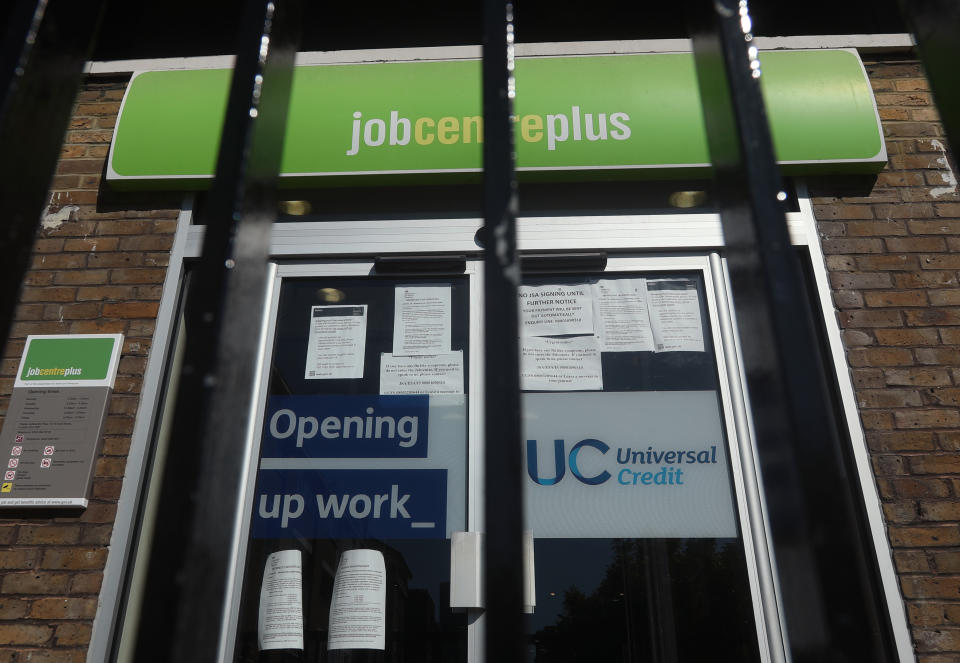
(555, 128)
(69, 371)
(646, 467)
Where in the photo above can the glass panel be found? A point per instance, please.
(362, 474)
(637, 549)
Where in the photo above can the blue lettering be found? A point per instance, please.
(532, 465)
(599, 446)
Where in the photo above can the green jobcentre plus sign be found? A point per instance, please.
(597, 116)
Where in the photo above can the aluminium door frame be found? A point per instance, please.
(331, 241)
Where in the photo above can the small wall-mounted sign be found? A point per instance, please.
(51, 436)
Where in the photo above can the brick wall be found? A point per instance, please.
(894, 260)
(893, 257)
(92, 273)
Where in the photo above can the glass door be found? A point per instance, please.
(362, 471)
(630, 490)
(369, 463)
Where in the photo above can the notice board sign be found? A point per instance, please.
(51, 435)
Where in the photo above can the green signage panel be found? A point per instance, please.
(627, 114)
(70, 360)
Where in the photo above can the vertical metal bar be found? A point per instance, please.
(183, 605)
(44, 48)
(503, 490)
(830, 589)
(935, 25)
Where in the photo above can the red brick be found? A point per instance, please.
(119, 292)
(137, 275)
(82, 166)
(915, 244)
(911, 129)
(104, 260)
(932, 316)
(92, 244)
(63, 312)
(100, 512)
(948, 210)
(81, 276)
(906, 210)
(931, 227)
(904, 99)
(855, 337)
(911, 561)
(852, 246)
(102, 108)
(131, 310)
(941, 355)
(875, 420)
(19, 558)
(928, 419)
(925, 280)
(72, 635)
(935, 464)
(59, 261)
(123, 227)
(896, 298)
(950, 261)
(98, 327)
(937, 511)
(901, 513)
(31, 294)
(859, 281)
(55, 534)
(147, 243)
(880, 357)
(90, 583)
(110, 467)
(943, 639)
(948, 561)
(946, 396)
(901, 441)
(916, 537)
(905, 337)
(944, 297)
(35, 583)
(24, 634)
(888, 262)
(949, 440)
(823, 212)
(926, 487)
(74, 558)
(887, 398)
(11, 608)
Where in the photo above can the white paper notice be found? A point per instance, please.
(434, 374)
(552, 310)
(675, 315)
(560, 364)
(338, 338)
(280, 622)
(358, 608)
(421, 320)
(620, 314)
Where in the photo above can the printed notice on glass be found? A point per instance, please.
(433, 374)
(421, 320)
(338, 338)
(621, 317)
(359, 604)
(280, 623)
(675, 315)
(560, 364)
(553, 310)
